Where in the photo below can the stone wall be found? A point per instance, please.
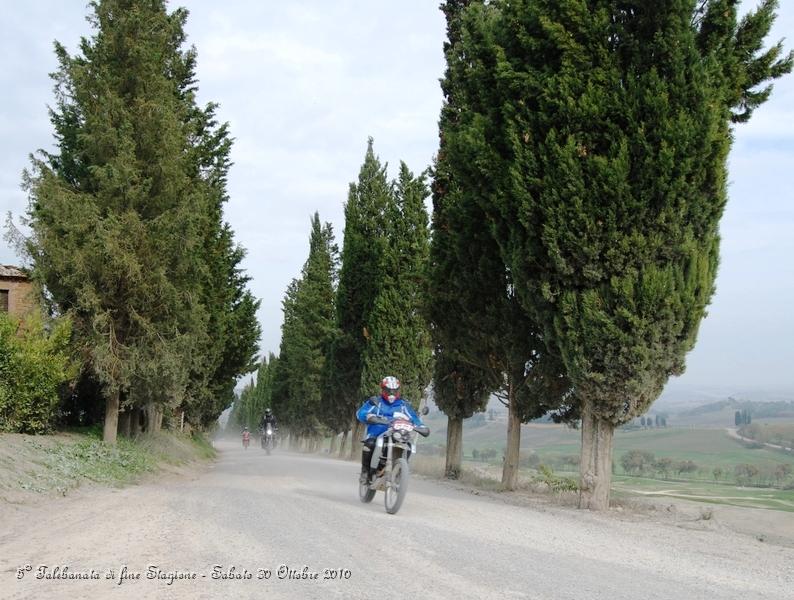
(21, 298)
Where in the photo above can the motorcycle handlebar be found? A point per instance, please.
(424, 430)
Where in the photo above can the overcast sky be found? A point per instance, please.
(304, 83)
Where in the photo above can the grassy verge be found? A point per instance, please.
(489, 477)
(547, 483)
(61, 462)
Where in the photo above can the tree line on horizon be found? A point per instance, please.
(569, 258)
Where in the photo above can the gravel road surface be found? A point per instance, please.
(257, 526)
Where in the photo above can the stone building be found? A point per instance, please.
(16, 291)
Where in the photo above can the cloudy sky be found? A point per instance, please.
(304, 83)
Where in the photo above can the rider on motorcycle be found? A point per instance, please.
(268, 418)
(385, 405)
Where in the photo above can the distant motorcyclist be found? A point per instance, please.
(376, 410)
(268, 419)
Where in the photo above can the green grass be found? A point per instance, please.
(65, 462)
(711, 493)
(707, 448)
(203, 446)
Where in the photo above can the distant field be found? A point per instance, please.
(713, 493)
(700, 438)
(708, 447)
(557, 446)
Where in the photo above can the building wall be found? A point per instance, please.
(20, 296)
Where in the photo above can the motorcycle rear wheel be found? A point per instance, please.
(397, 486)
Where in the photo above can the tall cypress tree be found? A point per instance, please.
(308, 330)
(114, 216)
(459, 388)
(161, 308)
(398, 340)
(600, 138)
(361, 277)
(478, 312)
(282, 401)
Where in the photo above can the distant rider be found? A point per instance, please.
(268, 418)
(385, 405)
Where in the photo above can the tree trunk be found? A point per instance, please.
(510, 466)
(334, 443)
(135, 422)
(596, 460)
(343, 444)
(454, 448)
(111, 427)
(125, 419)
(355, 446)
(154, 417)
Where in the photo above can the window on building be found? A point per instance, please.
(3, 300)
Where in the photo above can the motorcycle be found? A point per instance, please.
(268, 439)
(246, 439)
(393, 449)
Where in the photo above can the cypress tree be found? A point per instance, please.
(398, 340)
(308, 331)
(361, 277)
(115, 219)
(478, 321)
(460, 389)
(600, 139)
(161, 305)
(282, 401)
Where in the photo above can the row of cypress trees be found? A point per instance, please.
(583, 148)
(353, 318)
(577, 193)
(128, 235)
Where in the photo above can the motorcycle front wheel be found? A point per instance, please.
(397, 486)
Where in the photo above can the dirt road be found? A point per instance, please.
(269, 517)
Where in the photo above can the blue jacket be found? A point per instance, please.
(379, 406)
